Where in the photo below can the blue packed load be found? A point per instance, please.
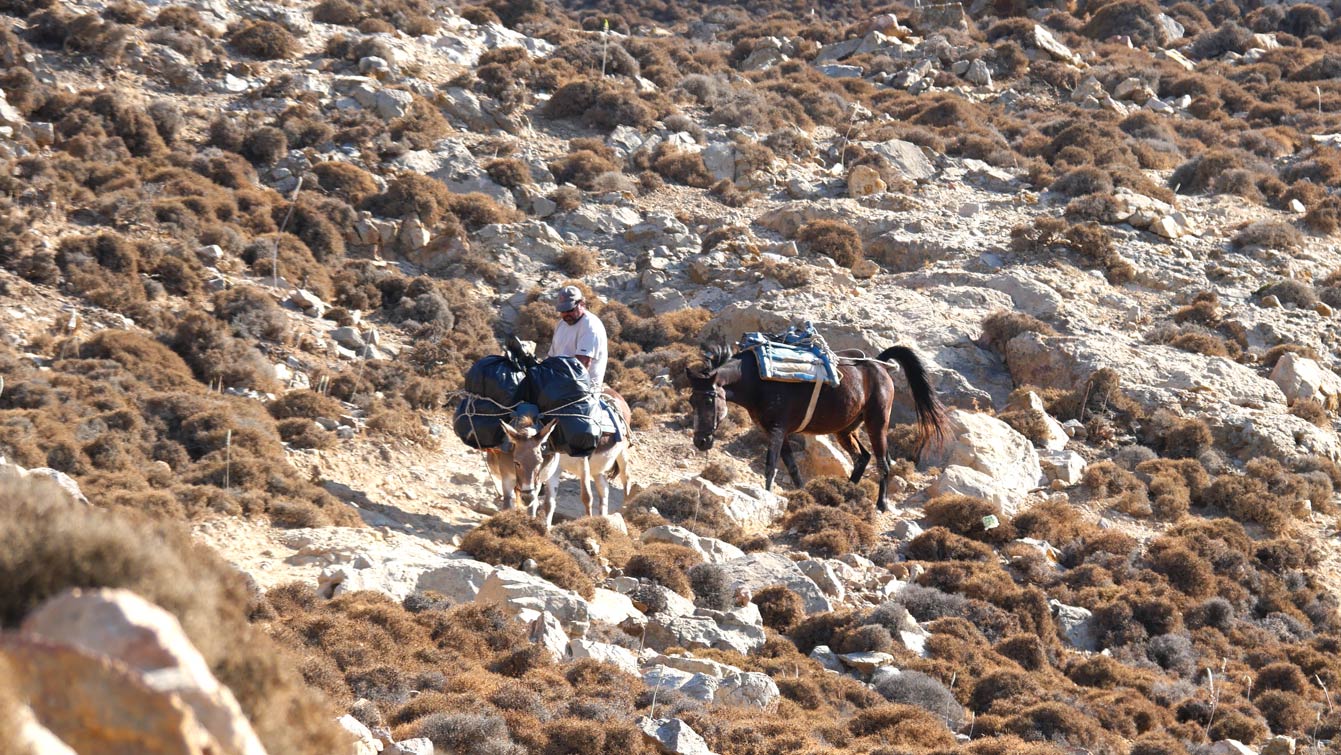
(494, 386)
(560, 387)
(797, 356)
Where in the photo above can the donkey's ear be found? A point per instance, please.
(510, 430)
(547, 429)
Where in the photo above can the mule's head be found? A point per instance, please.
(529, 455)
(708, 402)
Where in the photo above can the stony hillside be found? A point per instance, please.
(248, 251)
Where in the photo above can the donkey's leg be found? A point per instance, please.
(776, 437)
(601, 488)
(789, 458)
(849, 442)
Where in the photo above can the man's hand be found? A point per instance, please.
(586, 361)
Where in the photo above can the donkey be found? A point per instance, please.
(865, 395)
(534, 463)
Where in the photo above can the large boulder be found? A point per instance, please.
(671, 736)
(1302, 379)
(759, 570)
(710, 549)
(740, 630)
(747, 504)
(123, 627)
(623, 658)
(94, 704)
(457, 579)
(1152, 374)
(821, 457)
(1076, 626)
(1004, 460)
(525, 595)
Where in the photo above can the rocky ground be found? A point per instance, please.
(1107, 228)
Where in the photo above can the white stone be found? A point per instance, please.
(546, 632)
(746, 504)
(1231, 747)
(1076, 625)
(515, 591)
(1004, 460)
(124, 627)
(711, 549)
(823, 575)
(759, 570)
(672, 736)
(866, 662)
(1301, 378)
(1067, 467)
(610, 607)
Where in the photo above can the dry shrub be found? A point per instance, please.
(476, 210)
(681, 166)
(304, 433)
(53, 545)
(940, 544)
(215, 355)
(509, 538)
(894, 725)
(718, 473)
(1202, 173)
(412, 194)
(965, 515)
(1266, 494)
(1312, 411)
(578, 262)
(682, 504)
(600, 104)
(665, 564)
(1268, 234)
(581, 168)
(1088, 240)
(265, 40)
(1204, 310)
(1178, 437)
(305, 404)
(781, 608)
(831, 238)
(345, 181)
(1000, 327)
(1290, 291)
(252, 313)
(508, 172)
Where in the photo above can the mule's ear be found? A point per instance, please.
(547, 429)
(510, 430)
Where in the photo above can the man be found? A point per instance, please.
(580, 334)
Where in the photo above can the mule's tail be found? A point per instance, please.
(930, 414)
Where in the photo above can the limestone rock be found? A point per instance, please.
(1066, 467)
(516, 591)
(866, 662)
(1301, 378)
(124, 627)
(416, 746)
(672, 736)
(905, 157)
(1043, 40)
(746, 504)
(821, 457)
(759, 570)
(711, 549)
(456, 579)
(1279, 745)
(610, 607)
(823, 575)
(992, 448)
(1076, 625)
(1230, 747)
(94, 704)
(863, 181)
(365, 742)
(546, 632)
(623, 658)
(748, 688)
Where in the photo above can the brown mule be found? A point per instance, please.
(865, 395)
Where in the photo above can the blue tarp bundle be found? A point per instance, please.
(797, 356)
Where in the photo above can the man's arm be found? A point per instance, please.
(585, 360)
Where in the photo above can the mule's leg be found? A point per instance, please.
(789, 458)
(601, 487)
(877, 426)
(852, 444)
(552, 494)
(586, 484)
(776, 437)
(624, 471)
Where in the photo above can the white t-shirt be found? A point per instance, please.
(585, 338)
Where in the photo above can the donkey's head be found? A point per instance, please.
(529, 457)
